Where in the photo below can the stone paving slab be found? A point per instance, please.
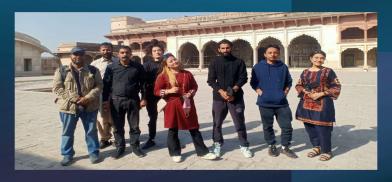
(38, 132)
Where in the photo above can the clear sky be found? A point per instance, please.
(55, 28)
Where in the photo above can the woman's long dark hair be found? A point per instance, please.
(317, 52)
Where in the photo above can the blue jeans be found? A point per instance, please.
(283, 117)
(69, 122)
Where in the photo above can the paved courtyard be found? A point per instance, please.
(38, 131)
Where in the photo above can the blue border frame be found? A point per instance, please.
(7, 105)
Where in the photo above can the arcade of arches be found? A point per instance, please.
(297, 55)
(354, 57)
(361, 56)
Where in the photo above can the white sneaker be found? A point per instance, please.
(209, 156)
(217, 149)
(177, 158)
(246, 152)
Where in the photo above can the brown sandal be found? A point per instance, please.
(325, 156)
(315, 152)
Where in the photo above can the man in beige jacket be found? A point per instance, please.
(78, 88)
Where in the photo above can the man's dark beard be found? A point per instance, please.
(227, 55)
(159, 59)
(77, 62)
(107, 56)
(124, 59)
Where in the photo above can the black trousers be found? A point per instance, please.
(173, 143)
(121, 106)
(153, 115)
(283, 117)
(320, 136)
(219, 113)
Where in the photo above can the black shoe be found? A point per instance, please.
(150, 143)
(66, 161)
(94, 158)
(104, 143)
(138, 152)
(273, 151)
(119, 152)
(288, 152)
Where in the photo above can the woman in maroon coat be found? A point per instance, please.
(178, 87)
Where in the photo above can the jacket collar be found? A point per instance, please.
(84, 68)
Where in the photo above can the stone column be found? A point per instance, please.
(201, 59)
(286, 55)
(365, 62)
(140, 53)
(340, 58)
(255, 45)
(286, 48)
(255, 56)
(365, 49)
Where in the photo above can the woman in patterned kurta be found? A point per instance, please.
(178, 87)
(317, 87)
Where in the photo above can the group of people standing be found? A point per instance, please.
(119, 87)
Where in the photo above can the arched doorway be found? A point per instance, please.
(299, 50)
(210, 51)
(269, 41)
(352, 57)
(145, 46)
(372, 57)
(189, 55)
(135, 47)
(136, 59)
(352, 33)
(372, 32)
(243, 50)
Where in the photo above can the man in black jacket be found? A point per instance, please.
(154, 50)
(123, 81)
(226, 75)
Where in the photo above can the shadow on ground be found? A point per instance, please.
(344, 138)
(25, 161)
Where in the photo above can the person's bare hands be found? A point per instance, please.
(106, 106)
(143, 103)
(259, 92)
(286, 91)
(231, 98)
(82, 101)
(173, 90)
(223, 94)
(316, 95)
(236, 88)
(188, 95)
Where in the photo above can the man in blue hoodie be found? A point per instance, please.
(272, 81)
